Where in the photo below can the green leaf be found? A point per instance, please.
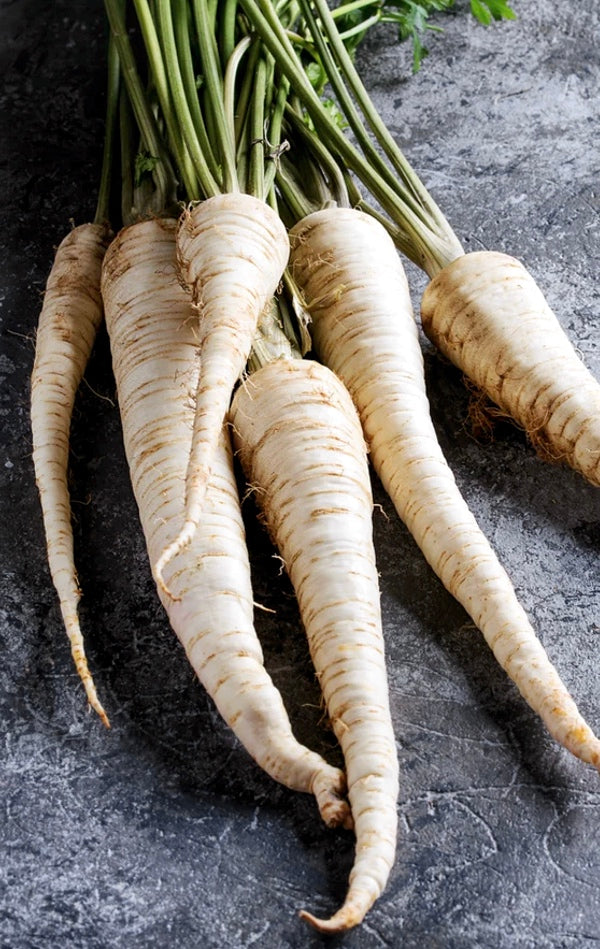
(317, 75)
(411, 19)
(487, 10)
(349, 22)
(144, 166)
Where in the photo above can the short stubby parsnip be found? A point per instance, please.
(487, 315)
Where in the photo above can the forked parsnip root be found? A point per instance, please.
(232, 252)
(301, 447)
(70, 316)
(154, 350)
(356, 292)
(486, 313)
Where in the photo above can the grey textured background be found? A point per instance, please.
(162, 832)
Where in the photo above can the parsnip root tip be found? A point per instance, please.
(183, 539)
(330, 795)
(346, 918)
(94, 702)
(103, 716)
(81, 665)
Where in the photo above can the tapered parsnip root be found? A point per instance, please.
(70, 317)
(232, 251)
(299, 440)
(485, 312)
(154, 349)
(363, 328)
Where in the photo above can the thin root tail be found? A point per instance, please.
(346, 918)
(330, 791)
(82, 668)
(94, 702)
(169, 553)
(358, 902)
(97, 707)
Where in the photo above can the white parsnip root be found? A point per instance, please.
(485, 312)
(356, 292)
(232, 252)
(301, 446)
(154, 349)
(68, 323)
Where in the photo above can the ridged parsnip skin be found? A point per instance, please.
(355, 289)
(232, 252)
(156, 366)
(487, 315)
(302, 450)
(70, 317)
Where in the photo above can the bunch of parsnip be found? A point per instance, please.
(243, 244)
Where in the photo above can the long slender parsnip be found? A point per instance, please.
(302, 449)
(154, 350)
(485, 312)
(363, 328)
(70, 317)
(232, 252)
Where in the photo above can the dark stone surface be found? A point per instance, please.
(162, 832)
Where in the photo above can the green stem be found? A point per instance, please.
(232, 109)
(245, 93)
(275, 130)
(415, 194)
(321, 155)
(293, 195)
(345, 8)
(421, 242)
(214, 91)
(126, 125)
(182, 24)
(102, 215)
(360, 27)
(163, 173)
(202, 184)
(227, 31)
(212, 8)
(326, 45)
(288, 12)
(158, 70)
(256, 143)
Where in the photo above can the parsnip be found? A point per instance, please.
(302, 449)
(232, 250)
(487, 315)
(356, 292)
(153, 343)
(70, 316)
